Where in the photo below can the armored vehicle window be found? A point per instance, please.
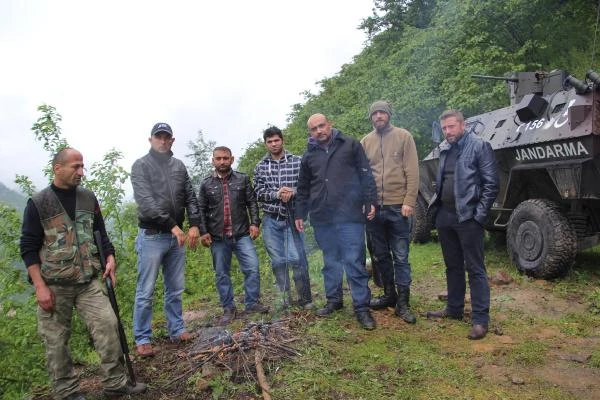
(558, 108)
(500, 123)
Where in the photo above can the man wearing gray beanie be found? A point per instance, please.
(392, 154)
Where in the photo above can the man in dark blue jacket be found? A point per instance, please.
(337, 188)
(467, 185)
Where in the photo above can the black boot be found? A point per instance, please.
(402, 307)
(388, 299)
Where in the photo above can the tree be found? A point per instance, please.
(201, 157)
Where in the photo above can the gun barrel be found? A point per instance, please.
(113, 302)
(495, 78)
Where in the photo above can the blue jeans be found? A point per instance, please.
(245, 252)
(287, 250)
(154, 251)
(389, 235)
(343, 247)
(462, 247)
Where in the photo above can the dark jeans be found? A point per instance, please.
(462, 247)
(389, 235)
(343, 247)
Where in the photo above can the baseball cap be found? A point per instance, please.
(161, 127)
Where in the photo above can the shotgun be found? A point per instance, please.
(113, 302)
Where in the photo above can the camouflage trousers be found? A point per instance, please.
(54, 327)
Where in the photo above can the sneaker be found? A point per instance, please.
(145, 350)
(329, 309)
(256, 308)
(126, 390)
(228, 316)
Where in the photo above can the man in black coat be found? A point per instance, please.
(336, 187)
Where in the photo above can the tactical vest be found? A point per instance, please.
(69, 254)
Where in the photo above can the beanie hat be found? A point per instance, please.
(380, 105)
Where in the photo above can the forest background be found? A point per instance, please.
(419, 55)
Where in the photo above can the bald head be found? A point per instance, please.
(67, 165)
(320, 128)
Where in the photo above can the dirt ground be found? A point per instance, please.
(566, 364)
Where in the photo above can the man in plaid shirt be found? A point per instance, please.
(275, 181)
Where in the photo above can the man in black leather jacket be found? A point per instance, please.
(466, 187)
(226, 200)
(163, 193)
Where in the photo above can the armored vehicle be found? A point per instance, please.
(547, 146)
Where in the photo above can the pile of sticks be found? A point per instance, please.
(243, 352)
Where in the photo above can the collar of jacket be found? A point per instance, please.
(335, 135)
(387, 130)
(269, 158)
(161, 157)
(216, 175)
(444, 146)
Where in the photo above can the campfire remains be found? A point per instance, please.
(243, 353)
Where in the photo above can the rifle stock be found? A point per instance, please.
(113, 302)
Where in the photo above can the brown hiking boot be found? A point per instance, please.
(145, 350)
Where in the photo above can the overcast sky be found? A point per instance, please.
(114, 68)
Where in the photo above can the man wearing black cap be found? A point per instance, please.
(163, 193)
(392, 154)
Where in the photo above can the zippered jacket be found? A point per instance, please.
(163, 192)
(335, 184)
(242, 203)
(395, 165)
(475, 179)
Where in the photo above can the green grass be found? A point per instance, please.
(339, 360)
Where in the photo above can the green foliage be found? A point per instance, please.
(26, 185)
(47, 131)
(106, 181)
(422, 55)
(201, 157)
(10, 230)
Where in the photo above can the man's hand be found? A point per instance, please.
(179, 234)
(407, 211)
(285, 194)
(206, 240)
(43, 294)
(254, 232)
(371, 213)
(45, 298)
(193, 235)
(299, 225)
(111, 269)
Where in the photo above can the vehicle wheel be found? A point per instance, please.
(540, 240)
(422, 225)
